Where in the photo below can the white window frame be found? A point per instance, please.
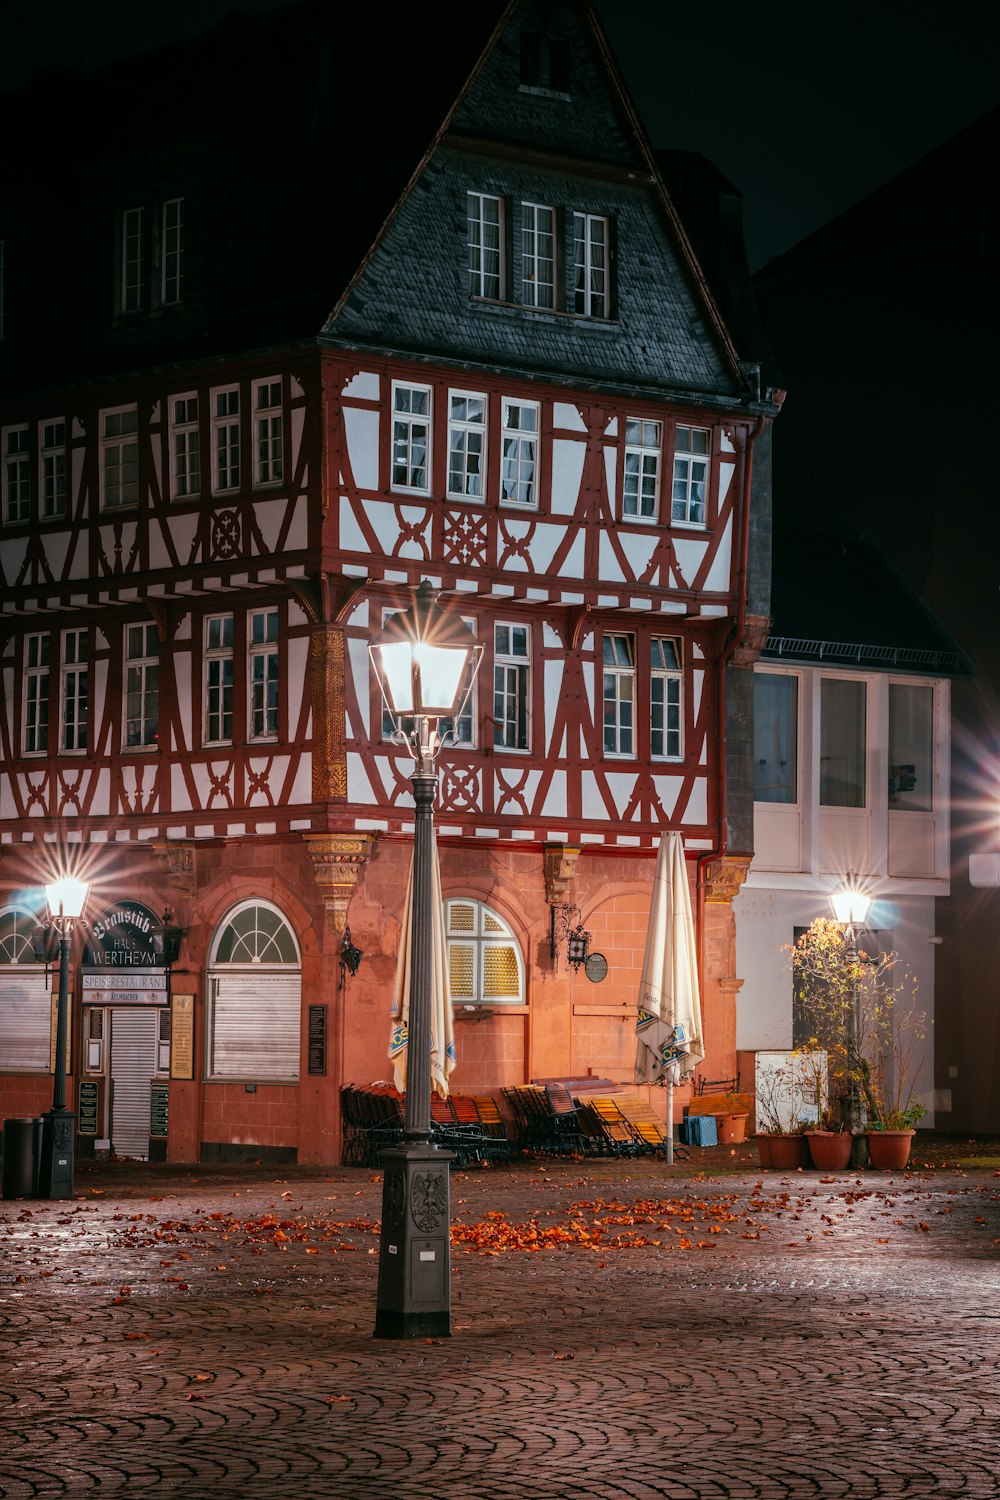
(185, 447)
(73, 691)
(480, 939)
(141, 725)
(52, 467)
(643, 448)
(134, 236)
(263, 680)
(16, 474)
(122, 445)
(37, 685)
(519, 453)
(219, 658)
(268, 431)
(796, 743)
(591, 265)
(512, 686)
(684, 500)
(671, 683)
(254, 1010)
(171, 251)
(25, 996)
(618, 695)
(538, 255)
(463, 432)
(407, 424)
(226, 455)
(486, 260)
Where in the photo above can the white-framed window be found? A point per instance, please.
(254, 997)
(133, 260)
(25, 996)
(485, 216)
(511, 683)
(142, 686)
(185, 447)
(466, 445)
(172, 251)
(911, 747)
(590, 265)
(219, 680)
(411, 437)
(263, 654)
(267, 428)
(119, 457)
(73, 696)
(226, 439)
(36, 694)
(692, 447)
(485, 964)
(52, 467)
(519, 452)
(538, 255)
(776, 737)
(843, 719)
(665, 683)
(16, 475)
(641, 483)
(619, 693)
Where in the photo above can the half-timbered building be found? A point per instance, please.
(313, 339)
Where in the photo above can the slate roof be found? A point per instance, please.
(839, 602)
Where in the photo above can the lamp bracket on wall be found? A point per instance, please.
(350, 957)
(566, 925)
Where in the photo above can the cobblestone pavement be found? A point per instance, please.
(685, 1332)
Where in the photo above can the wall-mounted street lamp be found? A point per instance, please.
(349, 957)
(851, 905)
(66, 898)
(167, 941)
(563, 928)
(425, 660)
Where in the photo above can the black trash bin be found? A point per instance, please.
(20, 1159)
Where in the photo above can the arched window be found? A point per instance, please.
(254, 997)
(25, 1006)
(485, 966)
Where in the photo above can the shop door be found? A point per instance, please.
(134, 1035)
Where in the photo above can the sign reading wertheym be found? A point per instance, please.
(120, 966)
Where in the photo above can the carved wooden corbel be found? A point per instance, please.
(560, 866)
(724, 877)
(338, 859)
(756, 629)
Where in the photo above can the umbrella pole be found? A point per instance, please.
(670, 1122)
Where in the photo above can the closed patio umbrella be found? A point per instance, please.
(442, 1032)
(669, 1042)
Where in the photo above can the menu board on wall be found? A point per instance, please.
(182, 1036)
(159, 1096)
(317, 1040)
(86, 1107)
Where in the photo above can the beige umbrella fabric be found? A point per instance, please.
(442, 1030)
(668, 1027)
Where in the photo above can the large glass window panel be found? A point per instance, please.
(775, 737)
(842, 736)
(911, 747)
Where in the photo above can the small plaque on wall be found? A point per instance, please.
(317, 1040)
(86, 1107)
(182, 1036)
(158, 1101)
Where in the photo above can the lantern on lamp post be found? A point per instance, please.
(425, 661)
(851, 906)
(66, 898)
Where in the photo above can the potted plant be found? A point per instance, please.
(779, 1137)
(862, 1011)
(822, 1071)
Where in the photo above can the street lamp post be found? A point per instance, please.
(66, 898)
(425, 660)
(851, 907)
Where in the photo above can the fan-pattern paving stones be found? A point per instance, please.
(208, 1333)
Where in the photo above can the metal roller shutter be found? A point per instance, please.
(133, 1063)
(256, 1024)
(25, 1021)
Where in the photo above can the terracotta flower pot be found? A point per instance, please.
(732, 1129)
(789, 1152)
(889, 1150)
(830, 1150)
(764, 1149)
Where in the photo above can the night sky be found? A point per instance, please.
(805, 106)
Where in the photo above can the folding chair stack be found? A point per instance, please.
(608, 1126)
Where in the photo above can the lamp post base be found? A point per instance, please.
(414, 1269)
(55, 1172)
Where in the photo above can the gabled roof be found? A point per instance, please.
(839, 602)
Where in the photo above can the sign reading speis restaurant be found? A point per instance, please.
(120, 966)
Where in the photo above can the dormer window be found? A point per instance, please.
(150, 257)
(545, 64)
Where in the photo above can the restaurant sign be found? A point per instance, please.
(120, 966)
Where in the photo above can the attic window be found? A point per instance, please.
(545, 64)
